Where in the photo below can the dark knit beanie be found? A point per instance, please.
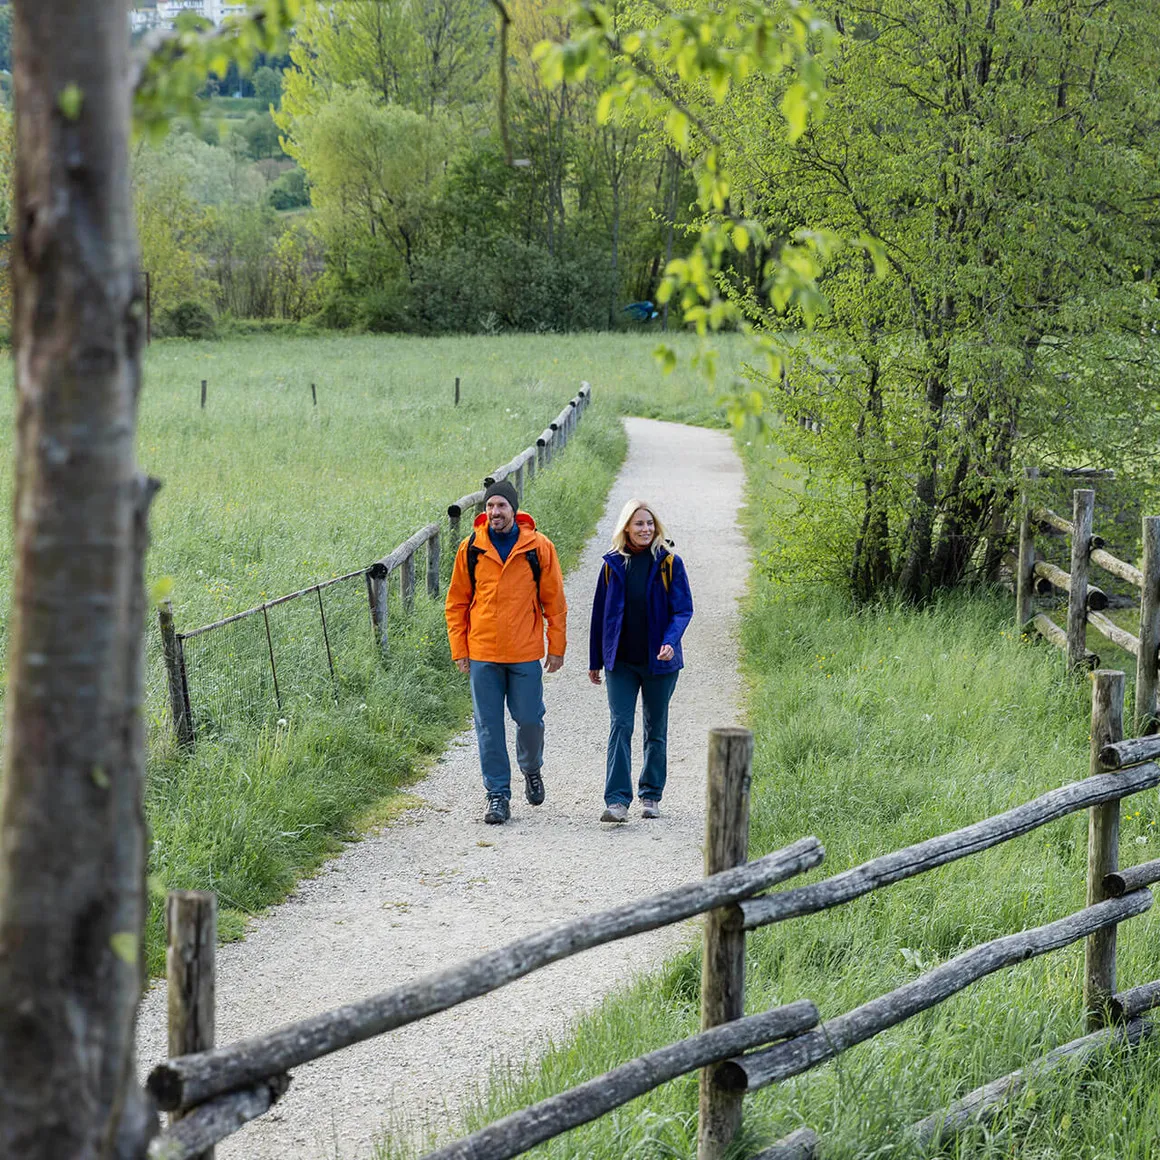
(504, 490)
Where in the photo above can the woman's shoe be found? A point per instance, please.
(617, 812)
(649, 809)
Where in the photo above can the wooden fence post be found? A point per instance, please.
(1083, 503)
(203, 389)
(520, 483)
(407, 583)
(1146, 709)
(1099, 977)
(377, 597)
(175, 669)
(1025, 581)
(191, 922)
(532, 463)
(433, 566)
(723, 959)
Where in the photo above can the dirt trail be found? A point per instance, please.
(439, 886)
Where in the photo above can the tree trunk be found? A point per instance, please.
(72, 832)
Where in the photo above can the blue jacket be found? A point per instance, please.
(669, 613)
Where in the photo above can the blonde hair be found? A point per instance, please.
(620, 531)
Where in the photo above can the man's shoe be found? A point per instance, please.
(617, 812)
(498, 810)
(649, 809)
(534, 787)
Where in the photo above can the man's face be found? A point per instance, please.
(500, 516)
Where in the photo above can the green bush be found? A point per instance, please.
(290, 191)
(385, 311)
(187, 319)
(521, 284)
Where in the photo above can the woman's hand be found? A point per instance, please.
(666, 653)
(594, 676)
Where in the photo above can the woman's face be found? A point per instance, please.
(641, 528)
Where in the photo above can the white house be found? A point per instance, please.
(165, 12)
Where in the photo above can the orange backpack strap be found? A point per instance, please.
(667, 570)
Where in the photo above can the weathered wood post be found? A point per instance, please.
(175, 671)
(407, 583)
(1147, 711)
(191, 922)
(314, 394)
(1099, 978)
(377, 577)
(203, 387)
(533, 454)
(1025, 580)
(457, 390)
(519, 482)
(723, 958)
(433, 565)
(1083, 503)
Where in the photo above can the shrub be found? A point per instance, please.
(385, 310)
(289, 191)
(187, 319)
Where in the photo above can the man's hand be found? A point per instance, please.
(553, 664)
(594, 676)
(463, 665)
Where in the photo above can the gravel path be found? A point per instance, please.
(438, 886)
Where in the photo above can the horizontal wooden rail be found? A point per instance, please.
(1051, 632)
(986, 1102)
(1050, 519)
(1117, 567)
(510, 468)
(1125, 880)
(926, 855)
(269, 604)
(396, 556)
(212, 1122)
(750, 1073)
(1135, 1001)
(1097, 598)
(1114, 632)
(456, 509)
(523, 1130)
(545, 437)
(801, 1144)
(1133, 751)
(193, 1079)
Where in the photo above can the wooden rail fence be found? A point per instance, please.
(1086, 602)
(401, 561)
(215, 1090)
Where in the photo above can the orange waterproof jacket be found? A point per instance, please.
(503, 620)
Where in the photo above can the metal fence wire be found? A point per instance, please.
(295, 652)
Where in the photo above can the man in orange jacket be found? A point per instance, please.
(505, 586)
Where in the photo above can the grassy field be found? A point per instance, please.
(265, 493)
(876, 729)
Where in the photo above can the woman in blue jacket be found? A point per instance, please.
(642, 607)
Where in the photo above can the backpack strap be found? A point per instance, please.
(474, 552)
(667, 570)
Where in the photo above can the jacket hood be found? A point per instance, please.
(522, 519)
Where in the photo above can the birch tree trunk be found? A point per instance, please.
(72, 833)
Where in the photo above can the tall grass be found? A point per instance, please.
(875, 729)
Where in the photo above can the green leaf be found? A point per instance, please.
(100, 777)
(677, 127)
(666, 356)
(71, 101)
(124, 945)
(162, 590)
(795, 109)
(740, 239)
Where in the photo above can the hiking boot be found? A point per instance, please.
(498, 810)
(649, 809)
(534, 787)
(617, 812)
